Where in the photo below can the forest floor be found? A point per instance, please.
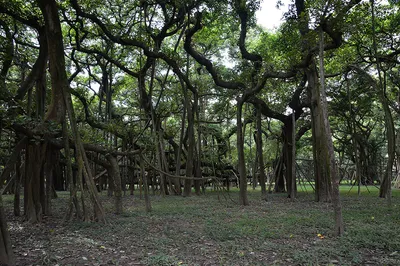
(213, 229)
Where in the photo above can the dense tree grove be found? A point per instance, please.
(170, 97)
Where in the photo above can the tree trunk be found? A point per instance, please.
(197, 161)
(6, 253)
(323, 181)
(34, 165)
(260, 156)
(190, 151)
(48, 174)
(385, 190)
(61, 97)
(17, 191)
(292, 162)
(279, 173)
(114, 174)
(330, 158)
(143, 178)
(243, 200)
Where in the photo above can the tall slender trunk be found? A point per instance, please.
(190, 151)
(17, 190)
(293, 189)
(260, 156)
(385, 190)
(73, 198)
(144, 179)
(197, 161)
(331, 162)
(177, 184)
(243, 200)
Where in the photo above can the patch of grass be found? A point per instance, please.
(161, 260)
(214, 230)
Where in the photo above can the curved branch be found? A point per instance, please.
(204, 61)
(134, 42)
(38, 67)
(8, 58)
(256, 58)
(266, 111)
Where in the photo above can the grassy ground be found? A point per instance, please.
(213, 230)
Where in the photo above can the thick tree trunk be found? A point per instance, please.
(243, 200)
(34, 206)
(61, 97)
(289, 156)
(6, 253)
(279, 174)
(33, 194)
(114, 174)
(323, 181)
(330, 158)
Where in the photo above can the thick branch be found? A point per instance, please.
(204, 61)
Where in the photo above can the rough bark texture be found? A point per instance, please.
(293, 188)
(385, 190)
(17, 190)
(323, 181)
(114, 173)
(331, 162)
(61, 96)
(59, 81)
(6, 253)
(243, 200)
(190, 151)
(143, 177)
(34, 164)
(260, 156)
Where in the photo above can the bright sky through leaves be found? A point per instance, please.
(269, 16)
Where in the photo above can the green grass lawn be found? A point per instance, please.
(213, 229)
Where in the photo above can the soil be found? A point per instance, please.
(203, 230)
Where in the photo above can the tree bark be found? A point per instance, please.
(17, 191)
(61, 96)
(73, 198)
(190, 151)
(293, 188)
(6, 253)
(330, 161)
(34, 206)
(114, 173)
(260, 156)
(323, 181)
(385, 190)
(144, 177)
(243, 200)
